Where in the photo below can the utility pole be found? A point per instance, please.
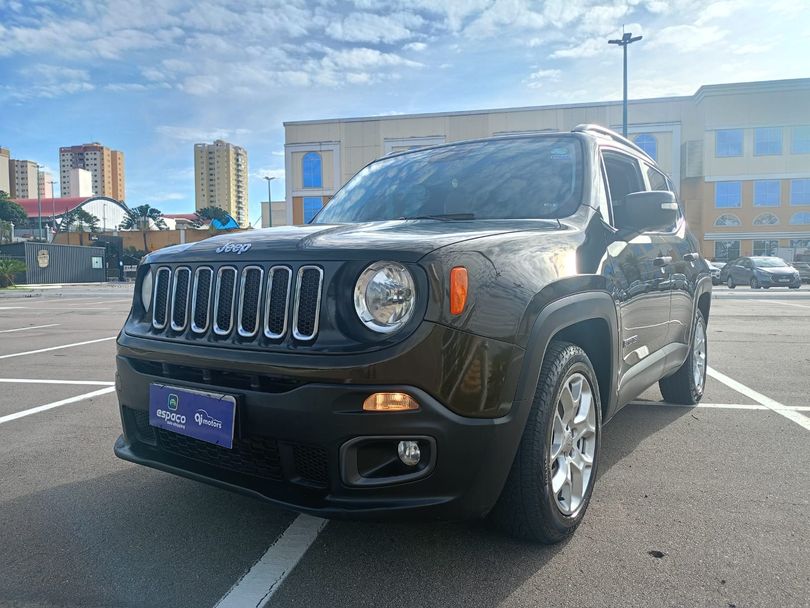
(269, 203)
(39, 201)
(626, 39)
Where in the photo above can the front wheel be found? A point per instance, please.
(730, 282)
(551, 480)
(754, 283)
(687, 384)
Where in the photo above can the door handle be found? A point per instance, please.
(691, 257)
(664, 260)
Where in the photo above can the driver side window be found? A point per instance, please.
(623, 178)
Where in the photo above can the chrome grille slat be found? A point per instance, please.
(250, 293)
(307, 302)
(180, 290)
(277, 302)
(224, 300)
(160, 299)
(201, 299)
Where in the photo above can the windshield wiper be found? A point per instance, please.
(442, 217)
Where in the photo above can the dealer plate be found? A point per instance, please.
(205, 416)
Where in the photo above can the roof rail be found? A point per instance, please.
(586, 128)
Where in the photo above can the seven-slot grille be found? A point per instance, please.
(248, 301)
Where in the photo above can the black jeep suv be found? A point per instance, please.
(447, 338)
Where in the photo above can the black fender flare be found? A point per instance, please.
(555, 317)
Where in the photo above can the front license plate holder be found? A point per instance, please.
(201, 415)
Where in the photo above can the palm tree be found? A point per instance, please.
(208, 214)
(81, 219)
(142, 218)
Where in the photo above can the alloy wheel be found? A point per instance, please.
(573, 444)
(699, 356)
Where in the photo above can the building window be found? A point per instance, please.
(801, 218)
(727, 194)
(765, 247)
(800, 140)
(725, 251)
(312, 171)
(766, 193)
(800, 243)
(800, 192)
(648, 143)
(312, 204)
(767, 141)
(766, 219)
(728, 142)
(727, 219)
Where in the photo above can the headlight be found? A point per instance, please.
(146, 290)
(384, 296)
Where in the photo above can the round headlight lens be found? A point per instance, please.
(384, 296)
(146, 290)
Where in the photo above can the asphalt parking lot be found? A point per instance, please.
(705, 506)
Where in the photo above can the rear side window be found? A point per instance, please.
(623, 177)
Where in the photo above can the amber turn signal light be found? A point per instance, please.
(389, 402)
(458, 290)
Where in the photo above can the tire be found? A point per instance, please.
(683, 387)
(754, 283)
(730, 282)
(528, 507)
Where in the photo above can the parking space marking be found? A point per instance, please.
(50, 406)
(264, 578)
(771, 404)
(8, 331)
(790, 304)
(725, 406)
(70, 308)
(42, 381)
(45, 350)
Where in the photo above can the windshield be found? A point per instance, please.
(523, 177)
(769, 262)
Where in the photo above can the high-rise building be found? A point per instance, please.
(80, 183)
(5, 165)
(23, 177)
(106, 167)
(45, 185)
(221, 178)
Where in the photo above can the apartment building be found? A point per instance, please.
(45, 184)
(24, 179)
(221, 179)
(5, 165)
(106, 167)
(739, 155)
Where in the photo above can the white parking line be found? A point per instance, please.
(8, 331)
(259, 584)
(45, 350)
(51, 308)
(771, 404)
(725, 406)
(50, 406)
(790, 304)
(41, 381)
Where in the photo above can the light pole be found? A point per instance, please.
(626, 39)
(39, 202)
(269, 202)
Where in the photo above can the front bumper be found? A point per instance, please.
(289, 434)
(774, 281)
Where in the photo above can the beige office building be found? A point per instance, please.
(5, 166)
(221, 179)
(106, 167)
(739, 154)
(45, 184)
(23, 177)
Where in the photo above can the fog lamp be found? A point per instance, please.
(389, 402)
(409, 453)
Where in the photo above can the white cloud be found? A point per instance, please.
(198, 135)
(415, 46)
(687, 38)
(537, 79)
(717, 10)
(371, 28)
(275, 172)
(586, 48)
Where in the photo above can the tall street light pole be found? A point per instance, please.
(269, 202)
(626, 39)
(39, 201)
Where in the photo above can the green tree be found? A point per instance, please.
(142, 218)
(8, 268)
(11, 211)
(208, 214)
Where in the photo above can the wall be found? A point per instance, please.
(155, 239)
(65, 264)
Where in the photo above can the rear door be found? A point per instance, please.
(635, 268)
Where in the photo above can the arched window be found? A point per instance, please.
(766, 219)
(727, 219)
(802, 217)
(311, 170)
(648, 143)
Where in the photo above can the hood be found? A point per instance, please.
(778, 270)
(404, 240)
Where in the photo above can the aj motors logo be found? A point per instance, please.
(203, 418)
(237, 248)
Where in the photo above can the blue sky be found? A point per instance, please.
(152, 77)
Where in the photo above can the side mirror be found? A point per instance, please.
(654, 211)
